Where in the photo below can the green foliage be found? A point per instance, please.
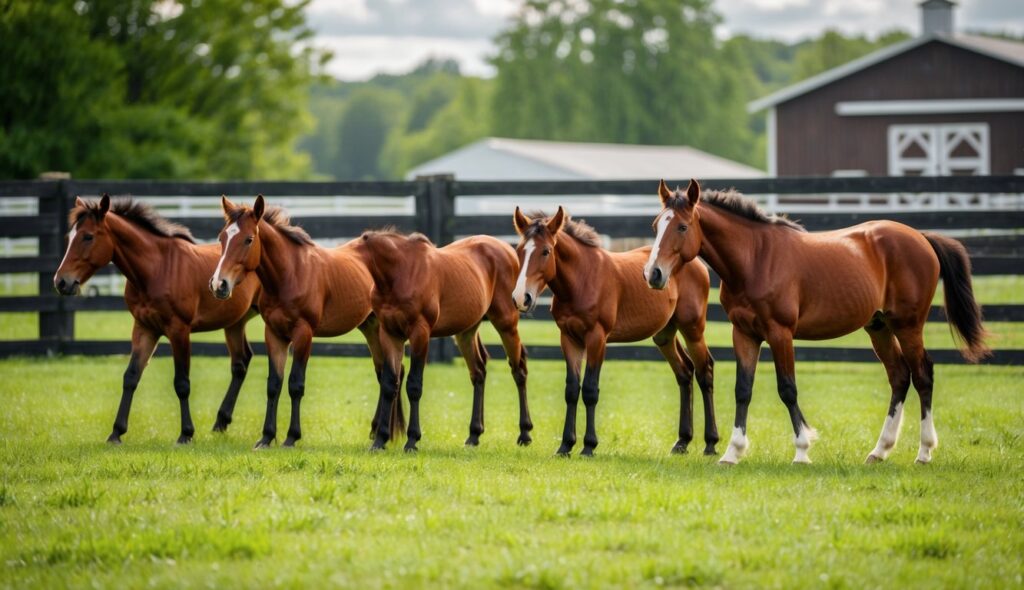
(150, 88)
(643, 72)
(331, 514)
(834, 49)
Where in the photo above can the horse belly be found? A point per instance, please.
(642, 315)
(455, 319)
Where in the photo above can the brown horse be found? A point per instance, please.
(166, 272)
(307, 291)
(423, 291)
(780, 282)
(597, 300)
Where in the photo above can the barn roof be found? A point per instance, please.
(496, 158)
(1008, 51)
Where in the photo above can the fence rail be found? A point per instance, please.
(996, 246)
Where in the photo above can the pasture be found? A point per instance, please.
(75, 511)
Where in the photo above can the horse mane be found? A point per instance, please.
(390, 231)
(278, 217)
(578, 229)
(137, 213)
(733, 201)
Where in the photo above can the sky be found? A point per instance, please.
(374, 36)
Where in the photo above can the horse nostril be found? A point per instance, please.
(61, 284)
(527, 300)
(656, 276)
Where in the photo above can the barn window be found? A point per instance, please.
(955, 149)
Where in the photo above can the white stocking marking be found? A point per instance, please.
(738, 445)
(890, 433)
(929, 440)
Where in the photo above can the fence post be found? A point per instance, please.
(435, 209)
(58, 326)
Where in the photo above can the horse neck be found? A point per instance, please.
(138, 254)
(728, 256)
(571, 260)
(278, 257)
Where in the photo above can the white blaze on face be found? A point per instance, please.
(230, 232)
(662, 223)
(519, 293)
(71, 240)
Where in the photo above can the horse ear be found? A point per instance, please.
(693, 191)
(227, 206)
(557, 221)
(664, 193)
(258, 208)
(522, 222)
(104, 204)
(79, 202)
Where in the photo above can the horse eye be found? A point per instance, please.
(87, 238)
(248, 240)
(681, 228)
(546, 251)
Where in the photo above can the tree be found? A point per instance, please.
(155, 88)
(633, 72)
(834, 49)
(369, 117)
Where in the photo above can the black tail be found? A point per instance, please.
(397, 414)
(962, 310)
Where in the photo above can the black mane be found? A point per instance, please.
(136, 212)
(578, 229)
(277, 217)
(734, 202)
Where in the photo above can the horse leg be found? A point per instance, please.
(704, 368)
(419, 346)
(470, 346)
(781, 342)
(393, 348)
(371, 332)
(277, 355)
(747, 349)
(573, 352)
(682, 368)
(241, 355)
(596, 343)
(181, 348)
(922, 375)
(302, 346)
(888, 351)
(516, 353)
(143, 345)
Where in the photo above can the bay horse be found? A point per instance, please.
(422, 291)
(165, 271)
(597, 300)
(780, 282)
(308, 291)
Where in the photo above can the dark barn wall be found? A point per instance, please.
(812, 139)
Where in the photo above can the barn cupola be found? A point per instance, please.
(937, 17)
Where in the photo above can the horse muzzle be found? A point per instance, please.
(67, 287)
(221, 290)
(656, 279)
(529, 302)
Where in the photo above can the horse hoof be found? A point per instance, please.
(184, 440)
(219, 428)
(524, 440)
(564, 451)
(587, 452)
(377, 447)
(289, 442)
(801, 461)
(410, 448)
(709, 451)
(920, 462)
(263, 443)
(679, 449)
(473, 441)
(872, 459)
(726, 462)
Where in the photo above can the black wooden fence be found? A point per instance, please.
(998, 251)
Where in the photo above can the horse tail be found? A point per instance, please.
(397, 420)
(962, 310)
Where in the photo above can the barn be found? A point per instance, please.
(940, 104)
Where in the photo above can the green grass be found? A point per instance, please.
(76, 512)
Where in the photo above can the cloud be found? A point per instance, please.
(362, 57)
(449, 19)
